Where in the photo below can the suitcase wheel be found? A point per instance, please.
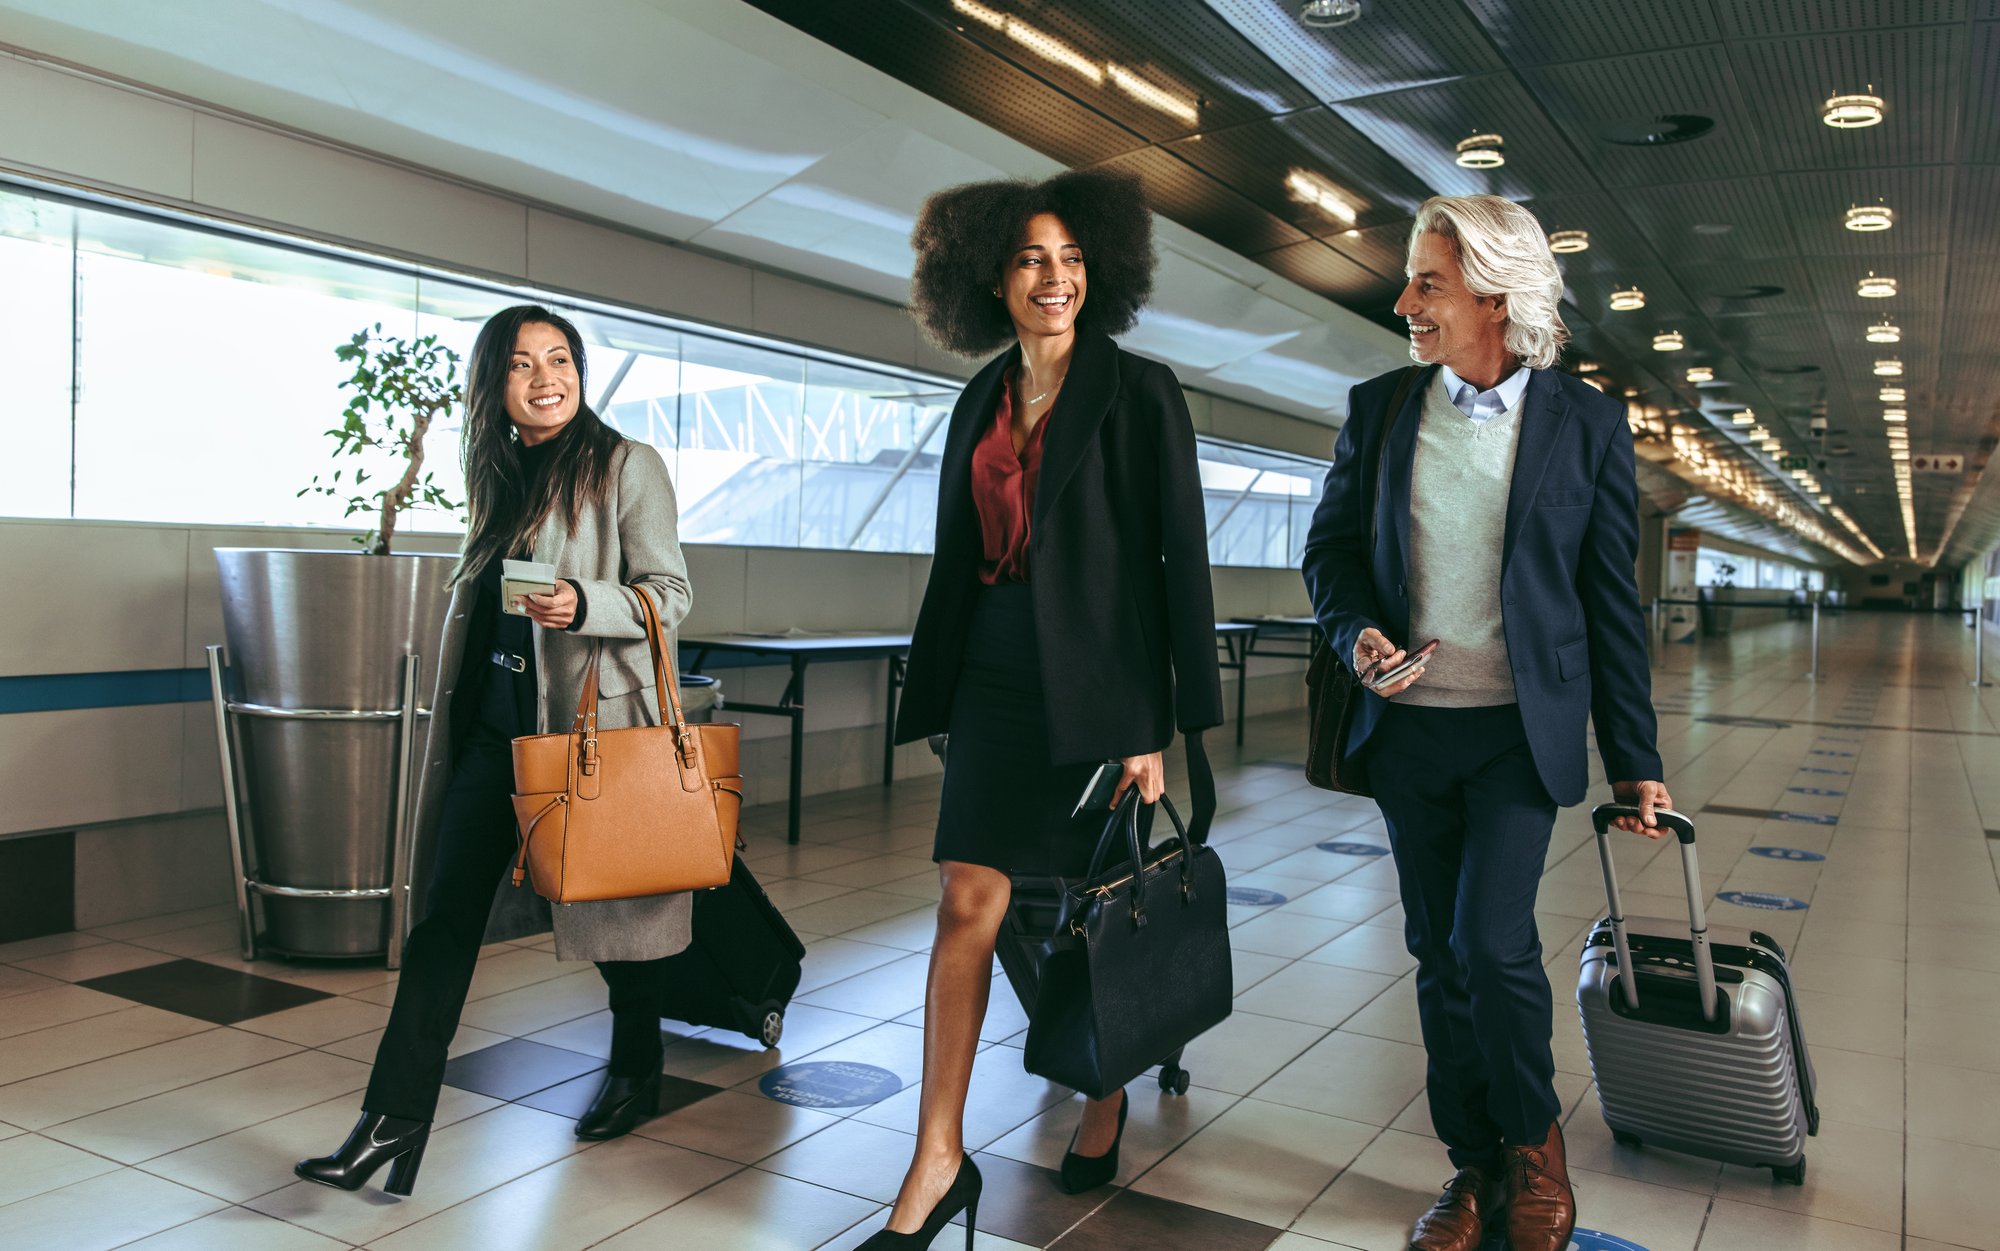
(1795, 1173)
(1173, 1079)
(773, 1027)
(1625, 1138)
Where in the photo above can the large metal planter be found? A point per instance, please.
(319, 699)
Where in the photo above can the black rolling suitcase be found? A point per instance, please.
(743, 965)
(1029, 923)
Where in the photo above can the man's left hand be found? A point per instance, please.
(1648, 796)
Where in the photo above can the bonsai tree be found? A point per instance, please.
(400, 387)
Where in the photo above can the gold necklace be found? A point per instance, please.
(1033, 400)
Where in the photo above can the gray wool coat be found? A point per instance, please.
(631, 545)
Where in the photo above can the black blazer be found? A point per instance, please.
(1117, 562)
(1570, 606)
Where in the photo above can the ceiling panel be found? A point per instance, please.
(1614, 241)
(1919, 74)
(1920, 281)
(1384, 249)
(1323, 271)
(1163, 70)
(1977, 230)
(931, 57)
(1702, 222)
(1423, 126)
(1261, 159)
(1205, 205)
(1410, 43)
(1606, 106)
(1819, 202)
(1982, 119)
(1725, 290)
(1751, 18)
(1575, 30)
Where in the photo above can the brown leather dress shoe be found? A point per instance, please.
(1459, 1219)
(1541, 1209)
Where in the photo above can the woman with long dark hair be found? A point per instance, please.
(545, 479)
(1069, 618)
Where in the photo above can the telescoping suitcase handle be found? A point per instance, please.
(1704, 962)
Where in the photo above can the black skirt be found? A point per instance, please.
(1006, 805)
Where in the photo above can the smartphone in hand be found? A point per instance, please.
(1097, 793)
(1411, 663)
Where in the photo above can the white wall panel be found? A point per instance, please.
(811, 314)
(828, 591)
(106, 597)
(578, 256)
(720, 578)
(92, 131)
(201, 758)
(271, 177)
(86, 765)
(147, 868)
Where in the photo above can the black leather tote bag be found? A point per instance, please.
(1139, 964)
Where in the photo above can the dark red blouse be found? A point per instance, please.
(1003, 493)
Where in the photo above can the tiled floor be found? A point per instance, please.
(148, 1099)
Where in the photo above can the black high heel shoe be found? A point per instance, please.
(963, 1196)
(1088, 1172)
(622, 1104)
(374, 1141)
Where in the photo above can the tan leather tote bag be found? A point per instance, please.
(621, 814)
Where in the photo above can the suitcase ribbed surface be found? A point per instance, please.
(1730, 1096)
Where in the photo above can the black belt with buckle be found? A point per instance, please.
(508, 660)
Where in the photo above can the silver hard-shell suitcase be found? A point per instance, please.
(1700, 1050)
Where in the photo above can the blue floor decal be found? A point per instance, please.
(1786, 853)
(1809, 818)
(1591, 1240)
(1839, 773)
(1761, 900)
(1354, 849)
(1251, 897)
(1813, 790)
(829, 1084)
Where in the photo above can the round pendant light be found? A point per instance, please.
(1668, 341)
(1884, 332)
(1889, 368)
(1891, 395)
(1564, 242)
(1628, 299)
(1895, 416)
(1852, 112)
(1868, 218)
(1743, 418)
(1325, 14)
(1875, 287)
(1700, 373)
(1482, 152)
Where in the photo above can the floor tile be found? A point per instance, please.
(516, 1067)
(98, 960)
(571, 1204)
(1025, 1204)
(736, 1126)
(94, 1038)
(1315, 994)
(1157, 1123)
(1952, 1198)
(323, 1021)
(1745, 1227)
(31, 1164)
(1243, 1052)
(236, 1229)
(84, 1089)
(205, 991)
(1853, 1175)
(1003, 1096)
(1259, 1161)
(1139, 1222)
(1351, 1076)
(106, 1211)
(1373, 1203)
(573, 1098)
(749, 1211)
(57, 1004)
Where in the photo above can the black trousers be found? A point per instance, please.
(476, 845)
(1469, 822)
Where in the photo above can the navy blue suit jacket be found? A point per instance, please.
(1569, 603)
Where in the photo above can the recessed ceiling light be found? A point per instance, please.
(1589, 367)
(1631, 393)
(1744, 418)
(1870, 217)
(1700, 373)
(1852, 112)
(1656, 131)
(1309, 188)
(1563, 242)
(1627, 300)
(1897, 453)
(1893, 415)
(1328, 13)
(1668, 341)
(1884, 332)
(1826, 499)
(1891, 395)
(1772, 445)
(1890, 368)
(1874, 287)
(1481, 152)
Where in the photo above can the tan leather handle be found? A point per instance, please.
(687, 744)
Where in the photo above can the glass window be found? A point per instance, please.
(37, 259)
(1259, 503)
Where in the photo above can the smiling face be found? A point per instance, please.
(1448, 324)
(543, 389)
(1043, 283)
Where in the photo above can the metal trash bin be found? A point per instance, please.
(701, 697)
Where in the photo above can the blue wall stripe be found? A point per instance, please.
(52, 692)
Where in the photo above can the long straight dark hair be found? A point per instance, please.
(503, 515)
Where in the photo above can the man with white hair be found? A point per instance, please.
(1487, 501)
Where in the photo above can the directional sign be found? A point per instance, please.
(1936, 462)
(829, 1084)
(1795, 462)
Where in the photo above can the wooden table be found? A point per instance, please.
(800, 651)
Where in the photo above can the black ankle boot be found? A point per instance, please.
(374, 1141)
(622, 1104)
(963, 1196)
(1088, 1172)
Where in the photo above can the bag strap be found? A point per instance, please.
(687, 744)
(1201, 791)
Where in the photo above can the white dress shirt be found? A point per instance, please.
(1483, 406)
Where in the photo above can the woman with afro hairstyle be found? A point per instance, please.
(1069, 619)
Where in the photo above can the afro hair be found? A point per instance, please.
(965, 235)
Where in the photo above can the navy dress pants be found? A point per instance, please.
(1469, 823)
